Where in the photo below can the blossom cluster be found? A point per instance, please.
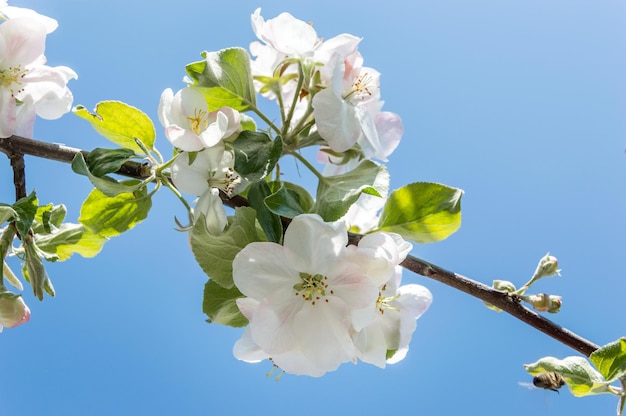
(342, 95)
(315, 303)
(28, 87)
(205, 165)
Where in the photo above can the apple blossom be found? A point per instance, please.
(13, 310)
(188, 123)
(27, 86)
(204, 175)
(396, 312)
(307, 292)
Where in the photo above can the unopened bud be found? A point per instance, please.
(13, 310)
(504, 285)
(548, 266)
(543, 302)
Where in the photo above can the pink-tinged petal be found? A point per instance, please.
(344, 45)
(13, 310)
(352, 285)
(390, 131)
(25, 41)
(336, 120)
(247, 306)
(272, 326)
(8, 116)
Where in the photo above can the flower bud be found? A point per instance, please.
(548, 266)
(13, 310)
(543, 302)
(504, 285)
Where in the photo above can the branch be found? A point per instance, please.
(19, 145)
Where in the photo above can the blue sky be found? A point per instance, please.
(521, 104)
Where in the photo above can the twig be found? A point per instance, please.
(502, 300)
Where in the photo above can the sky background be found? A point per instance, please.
(522, 104)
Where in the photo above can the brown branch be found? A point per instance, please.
(502, 300)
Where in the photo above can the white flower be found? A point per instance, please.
(27, 86)
(348, 111)
(305, 298)
(188, 123)
(285, 33)
(205, 174)
(396, 313)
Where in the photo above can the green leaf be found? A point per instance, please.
(422, 212)
(7, 213)
(69, 239)
(270, 222)
(107, 185)
(215, 253)
(48, 217)
(224, 78)
(102, 161)
(220, 305)
(26, 209)
(335, 194)
(34, 271)
(285, 202)
(111, 216)
(120, 123)
(581, 378)
(610, 359)
(256, 154)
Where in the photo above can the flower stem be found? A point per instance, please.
(306, 163)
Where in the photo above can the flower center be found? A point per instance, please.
(382, 303)
(227, 182)
(11, 76)
(199, 121)
(313, 287)
(360, 88)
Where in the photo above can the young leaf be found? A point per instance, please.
(69, 239)
(220, 305)
(422, 212)
(224, 78)
(256, 154)
(120, 123)
(105, 184)
(270, 222)
(26, 209)
(335, 194)
(102, 161)
(7, 213)
(33, 270)
(111, 216)
(215, 253)
(48, 217)
(610, 359)
(581, 378)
